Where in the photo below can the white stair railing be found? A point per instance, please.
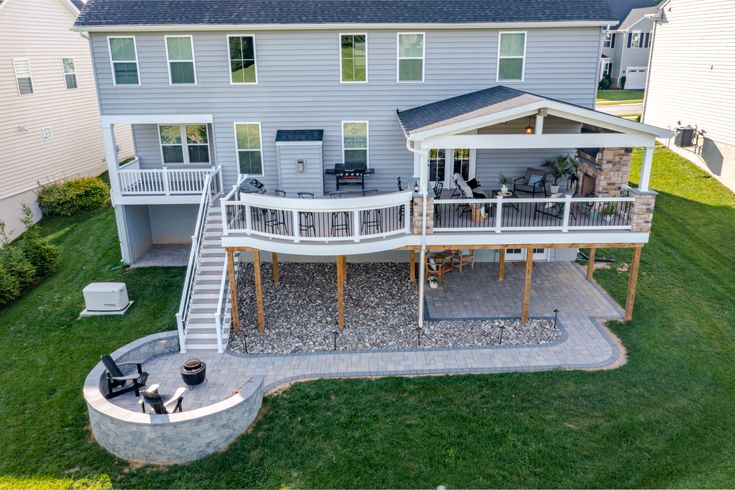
(210, 191)
(220, 316)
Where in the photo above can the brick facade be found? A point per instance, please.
(610, 168)
(418, 212)
(641, 211)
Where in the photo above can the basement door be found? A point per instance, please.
(516, 254)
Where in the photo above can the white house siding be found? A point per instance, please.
(299, 87)
(38, 30)
(691, 78)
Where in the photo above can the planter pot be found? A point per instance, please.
(433, 283)
(608, 218)
(503, 189)
(554, 189)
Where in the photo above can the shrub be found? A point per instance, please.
(9, 287)
(42, 255)
(622, 82)
(17, 265)
(74, 196)
(604, 84)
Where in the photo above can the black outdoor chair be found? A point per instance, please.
(438, 189)
(534, 182)
(119, 383)
(340, 219)
(553, 209)
(307, 226)
(156, 402)
(279, 193)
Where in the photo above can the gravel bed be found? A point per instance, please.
(380, 313)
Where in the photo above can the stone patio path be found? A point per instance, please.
(474, 293)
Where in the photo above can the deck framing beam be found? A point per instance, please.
(591, 263)
(274, 263)
(341, 262)
(235, 312)
(501, 265)
(632, 283)
(258, 290)
(527, 285)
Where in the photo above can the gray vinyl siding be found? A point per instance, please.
(291, 180)
(299, 87)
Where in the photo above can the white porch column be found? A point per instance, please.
(424, 186)
(646, 167)
(108, 138)
(540, 121)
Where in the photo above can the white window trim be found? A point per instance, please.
(367, 57)
(229, 62)
(64, 74)
(184, 146)
(449, 162)
(640, 39)
(168, 60)
(237, 149)
(112, 63)
(367, 143)
(399, 58)
(523, 66)
(30, 72)
(607, 40)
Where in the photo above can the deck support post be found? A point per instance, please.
(412, 266)
(632, 282)
(235, 312)
(258, 290)
(501, 265)
(527, 285)
(274, 262)
(591, 264)
(341, 291)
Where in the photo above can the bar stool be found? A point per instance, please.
(306, 218)
(371, 218)
(340, 219)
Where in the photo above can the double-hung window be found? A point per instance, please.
(242, 59)
(410, 57)
(511, 56)
(23, 76)
(70, 72)
(609, 40)
(124, 59)
(355, 144)
(185, 144)
(636, 39)
(353, 58)
(180, 56)
(249, 148)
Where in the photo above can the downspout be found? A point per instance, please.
(422, 252)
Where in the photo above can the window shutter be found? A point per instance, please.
(648, 39)
(612, 40)
(630, 38)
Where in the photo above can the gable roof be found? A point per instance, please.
(507, 102)
(289, 135)
(621, 8)
(635, 16)
(299, 12)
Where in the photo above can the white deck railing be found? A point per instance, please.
(135, 181)
(502, 215)
(318, 220)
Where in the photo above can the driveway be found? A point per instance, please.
(621, 109)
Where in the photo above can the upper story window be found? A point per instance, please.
(355, 144)
(70, 72)
(353, 58)
(511, 56)
(124, 59)
(410, 57)
(249, 148)
(609, 40)
(180, 56)
(23, 76)
(242, 59)
(639, 39)
(184, 144)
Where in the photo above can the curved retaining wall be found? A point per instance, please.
(166, 439)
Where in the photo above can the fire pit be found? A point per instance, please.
(193, 372)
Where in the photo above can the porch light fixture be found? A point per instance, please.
(556, 314)
(334, 339)
(418, 335)
(529, 128)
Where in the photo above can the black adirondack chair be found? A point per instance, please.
(154, 399)
(119, 383)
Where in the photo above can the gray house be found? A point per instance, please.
(627, 46)
(318, 128)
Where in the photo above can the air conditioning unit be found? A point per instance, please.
(106, 298)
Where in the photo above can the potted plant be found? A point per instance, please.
(561, 166)
(608, 211)
(433, 282)
(504, 182)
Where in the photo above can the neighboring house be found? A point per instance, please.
(50, 127)
(626, 47)
(293, 92)
(691, 82)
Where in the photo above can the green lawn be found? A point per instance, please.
(665, 419)
(619, 95)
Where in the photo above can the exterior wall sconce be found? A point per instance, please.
(300, 165)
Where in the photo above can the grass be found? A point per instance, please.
(619, 96)
(665, 419)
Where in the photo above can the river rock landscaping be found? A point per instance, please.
(380, 313)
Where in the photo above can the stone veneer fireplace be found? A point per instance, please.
(603, 171)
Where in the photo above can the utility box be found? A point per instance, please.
(106, 298)
(684, 136)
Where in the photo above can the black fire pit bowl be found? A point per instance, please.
(193, 372)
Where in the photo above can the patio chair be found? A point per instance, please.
(467, 191)
(464, 257)
(553, 209)
(438, 263)
(275, 221)
(307, 226)
(119, 383)
(154, 399)
(340, 219)
(279, 193)
(534, 182)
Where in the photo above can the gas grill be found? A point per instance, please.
(354, 176)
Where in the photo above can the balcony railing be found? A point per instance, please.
(318, 220)
(135, 181)
(501, 215)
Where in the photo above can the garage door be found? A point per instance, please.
(635, 77)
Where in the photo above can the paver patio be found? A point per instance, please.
(474, 293)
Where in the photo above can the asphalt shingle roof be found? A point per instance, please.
(230, 12)
(300, 135)
(635, 15)
(621, 8)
